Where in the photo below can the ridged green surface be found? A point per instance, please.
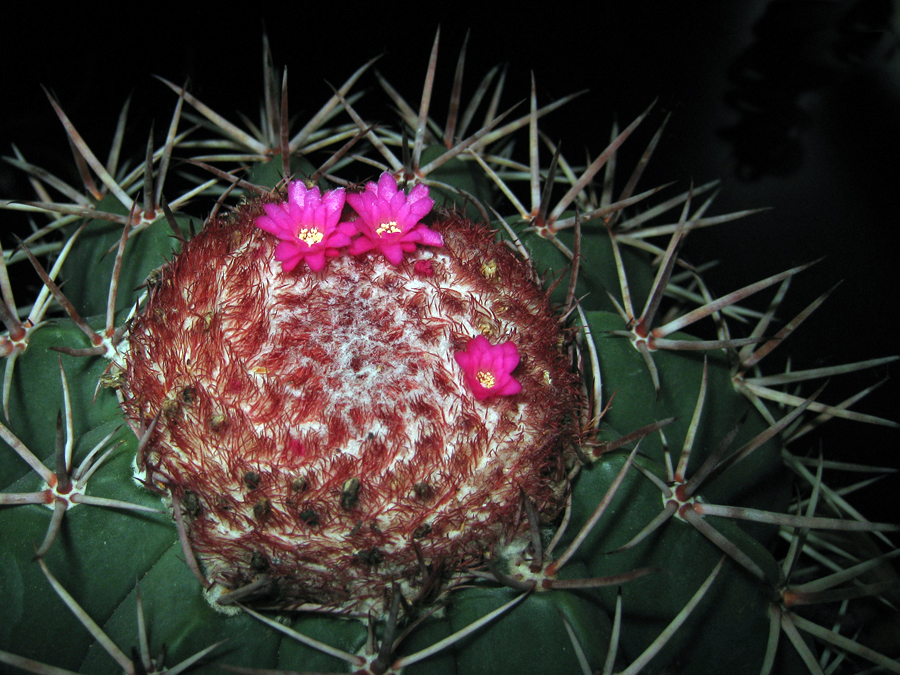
(101, 554)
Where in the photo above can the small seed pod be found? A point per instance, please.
(350, 493)
(262, 509)
(309, 517)
(371, 556)
(191, 504)
(259, 562)
(216, 421)
(423, 491)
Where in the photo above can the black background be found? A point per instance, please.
(794, 104)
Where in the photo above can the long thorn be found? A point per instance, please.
(189, 556)
(26, 454)
(89, 156)
(114, 282)
(59, 510)
(352, 659)
(638, 664)
(598, 512)
(596, 165)
(426, 101)
(786, 520)
(457, 636)
(681, 470)
(95, 339)
(724, 301)
(86, 621)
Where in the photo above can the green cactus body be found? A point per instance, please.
(317, 461)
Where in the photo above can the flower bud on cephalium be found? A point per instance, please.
(323, 425)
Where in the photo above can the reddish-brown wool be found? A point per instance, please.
(316, 428)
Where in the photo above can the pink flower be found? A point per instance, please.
(308, 226)
(488, 368)
(389, 219)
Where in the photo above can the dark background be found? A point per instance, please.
(794, 104)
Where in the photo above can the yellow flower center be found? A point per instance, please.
(486, 379)
(390, 228)
(310, 236)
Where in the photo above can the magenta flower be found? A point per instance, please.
(488, 368)
(308, 226)
(389, 219)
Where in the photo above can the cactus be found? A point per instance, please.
(396, 440)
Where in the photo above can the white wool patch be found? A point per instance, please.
(365, 368)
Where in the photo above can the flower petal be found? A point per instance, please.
(488, 368)
(389, 219)
(308, 225)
